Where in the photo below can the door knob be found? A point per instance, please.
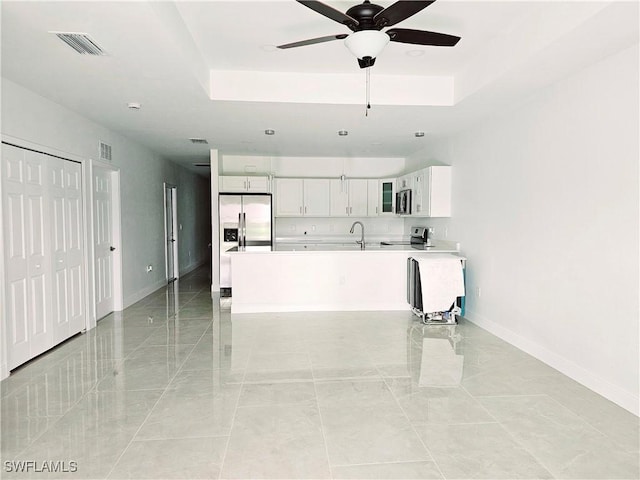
(112, 248)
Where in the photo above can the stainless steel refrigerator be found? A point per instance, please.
(245, 224)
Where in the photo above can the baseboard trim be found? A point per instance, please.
(612, 392)
(192, 267)
(140, 294)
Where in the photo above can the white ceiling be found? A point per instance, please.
(161, 54)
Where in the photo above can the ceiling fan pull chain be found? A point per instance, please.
(368, 90)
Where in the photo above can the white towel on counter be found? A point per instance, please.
(442, 282)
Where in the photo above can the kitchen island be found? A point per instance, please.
(324, 277)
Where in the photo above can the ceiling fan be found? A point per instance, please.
(367, 20)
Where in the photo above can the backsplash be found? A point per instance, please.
(318, 227)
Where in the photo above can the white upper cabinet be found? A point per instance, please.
(239, 183)
(404, 182)
(348, 197)
(317, 197)
(289, 197)
(297, 197)
(386, 197)
(432, 192)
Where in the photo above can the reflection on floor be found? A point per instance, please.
(176, 387)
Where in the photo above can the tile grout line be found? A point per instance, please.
(322, 429)
(164, 391)
(413, 427)
(235, 413)
(508, 432)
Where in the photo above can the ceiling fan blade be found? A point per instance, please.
(330, 12)
(398, 12)
(421, 37)
(311, 41)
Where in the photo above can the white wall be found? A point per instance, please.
(33, 119)
(545, 205)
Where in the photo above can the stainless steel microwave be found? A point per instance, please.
(403, 202)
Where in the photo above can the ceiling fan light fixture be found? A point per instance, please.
(269, 131)
(343, 133)
(366, 43)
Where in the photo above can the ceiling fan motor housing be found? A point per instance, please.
(364, 14)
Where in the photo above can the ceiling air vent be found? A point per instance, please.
(199, 141)
(105, 152)
(81, 43)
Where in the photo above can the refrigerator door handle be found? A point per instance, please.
(240, 244)
(244, 229)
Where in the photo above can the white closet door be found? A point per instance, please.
(27, 255)
(74, 248)
(17, 296)
(60, 272)
(38, 254)
(103, 235)
(66, 237)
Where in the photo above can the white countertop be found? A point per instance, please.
(343, 243)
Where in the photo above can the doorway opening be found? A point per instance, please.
(170, 229)
(106, 240)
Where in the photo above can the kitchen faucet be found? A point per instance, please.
(361, 241)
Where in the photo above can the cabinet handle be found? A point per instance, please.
(249, 183)
(376, 210)
(350, 210)
(300, 209)
(346, 210)
(245, 184)
(305, 209)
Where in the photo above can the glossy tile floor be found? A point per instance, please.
(176, 387)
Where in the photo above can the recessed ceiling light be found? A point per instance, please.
(134, 105)
(343, 133)
(269, 132)
(419, 134)
(414, 53)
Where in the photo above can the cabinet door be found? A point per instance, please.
(289, 197)
(339, 197)
(317, 197)
(405, 182)
(387, 197)
(358, 198)
(439, 185)
(229, 183)
(420, 197)
(372, 197)
(258, 184)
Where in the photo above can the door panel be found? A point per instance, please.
(13, 165)
(257, 214)
(43, 213)
(74, 253)
(170, 241)
(103, 241)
